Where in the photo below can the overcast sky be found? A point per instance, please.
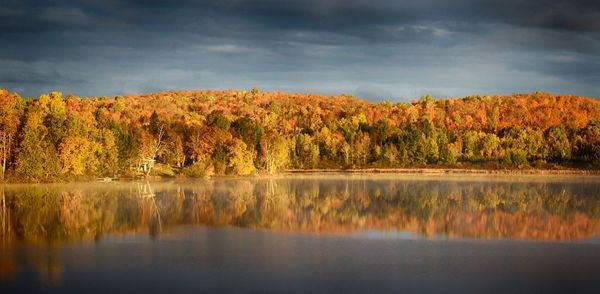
(375, 49)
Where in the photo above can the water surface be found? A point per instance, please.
(304, 233)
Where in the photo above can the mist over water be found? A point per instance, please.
(298, 233)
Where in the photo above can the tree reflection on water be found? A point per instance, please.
(510, 209)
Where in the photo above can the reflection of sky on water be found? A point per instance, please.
(408, 235)
(209, 259)
(374, 234)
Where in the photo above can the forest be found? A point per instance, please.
(204, 133)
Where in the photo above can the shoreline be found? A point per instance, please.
(449, 171)
(413, 171)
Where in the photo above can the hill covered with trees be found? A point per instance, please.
(199, 133)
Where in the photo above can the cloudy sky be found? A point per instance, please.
(376, 49)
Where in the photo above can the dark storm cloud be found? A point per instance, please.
(371, 48)
(316, 15)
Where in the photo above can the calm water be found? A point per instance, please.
(310, 233)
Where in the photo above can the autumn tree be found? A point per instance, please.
(175, 150)
(446, 152)
(218, 120)
(127, 146)
(558, 142)
(55, 115)
(362, 147)
(78, 156)
(37, 157)
(240, 158)
(11, 110)
(275, 152)
(108, 153)
(306, 151)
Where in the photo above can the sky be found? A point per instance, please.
(375, 49)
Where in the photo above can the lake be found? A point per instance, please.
(305, 233)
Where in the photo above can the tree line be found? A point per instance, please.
(201, 133)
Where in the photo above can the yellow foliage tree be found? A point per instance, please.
(77, 155)
(241, 159)
(10, 114)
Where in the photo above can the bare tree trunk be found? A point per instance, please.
(157, 148)
(4, 152)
